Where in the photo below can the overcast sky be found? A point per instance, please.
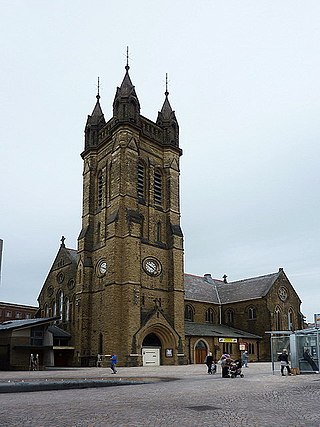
(244, 81)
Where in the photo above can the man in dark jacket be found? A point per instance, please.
(284, 362)
(209, 362)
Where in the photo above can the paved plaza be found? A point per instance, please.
(172, 396)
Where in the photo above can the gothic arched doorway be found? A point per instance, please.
(200, 352)
(151, 347)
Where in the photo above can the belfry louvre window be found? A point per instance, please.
(157, 187)
(141, 181)
(100, 189)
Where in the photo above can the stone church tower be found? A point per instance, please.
(130, 284)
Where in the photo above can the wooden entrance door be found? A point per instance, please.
(200, 352)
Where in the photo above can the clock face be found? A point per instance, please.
(152, 266)
(102, 267)
(283, 293)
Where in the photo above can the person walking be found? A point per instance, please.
(244, 359)
(113, 365)
(225, 365)
(284, 362)
(209, 362)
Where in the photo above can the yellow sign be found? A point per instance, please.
(228, 340)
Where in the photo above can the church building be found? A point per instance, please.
(124, 289)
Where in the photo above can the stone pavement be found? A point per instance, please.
(172, 396)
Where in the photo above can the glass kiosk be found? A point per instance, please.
(302, 346)
(305, 346)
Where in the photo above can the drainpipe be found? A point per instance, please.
(220, 309)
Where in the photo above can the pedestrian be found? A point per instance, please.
(209, 362)
(114, 361)
(244, 359)
(99, 361)
(283, 358)
(225, 365)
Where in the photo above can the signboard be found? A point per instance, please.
(242, 347)
(317, 319)
(228, 340)
(169, 352)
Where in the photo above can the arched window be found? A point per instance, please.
(109, 181)
(67, 309)
(277, 319)
(54, 308)
(189, 313)
(100, 189)
(290, 320)
(157, 187)
(230, 317)
(252, 313)
(141, 182)
(209, 315)
(100, 345)
(60, 305)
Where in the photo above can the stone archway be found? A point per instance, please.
(161, 336)
(151, 350)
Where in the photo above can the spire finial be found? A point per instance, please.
(127, 65)
(62, 241)
(166, 92)
(98, 86)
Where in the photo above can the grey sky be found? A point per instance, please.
(244, 83)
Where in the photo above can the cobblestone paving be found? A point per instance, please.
(192, 399)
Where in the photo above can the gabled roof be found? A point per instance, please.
(255, 287)
(201, 288)
(25, 323)
(70, 256)
(210, 290)
(209, 330)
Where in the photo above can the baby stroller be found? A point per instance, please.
(213, 368)
(235, 369)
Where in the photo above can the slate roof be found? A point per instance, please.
(25, 323)
(201, 288)
(209, 330)
(214, 291)
(73, 253)
(255, 287)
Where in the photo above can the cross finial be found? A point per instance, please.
(166, 92)
(62, 241)
(127, 65)
(98, 86)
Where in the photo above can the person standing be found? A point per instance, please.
(284, 362)
(244, 359)
(209, 362)
(114, 361)
(99, 361)
(225, 365)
